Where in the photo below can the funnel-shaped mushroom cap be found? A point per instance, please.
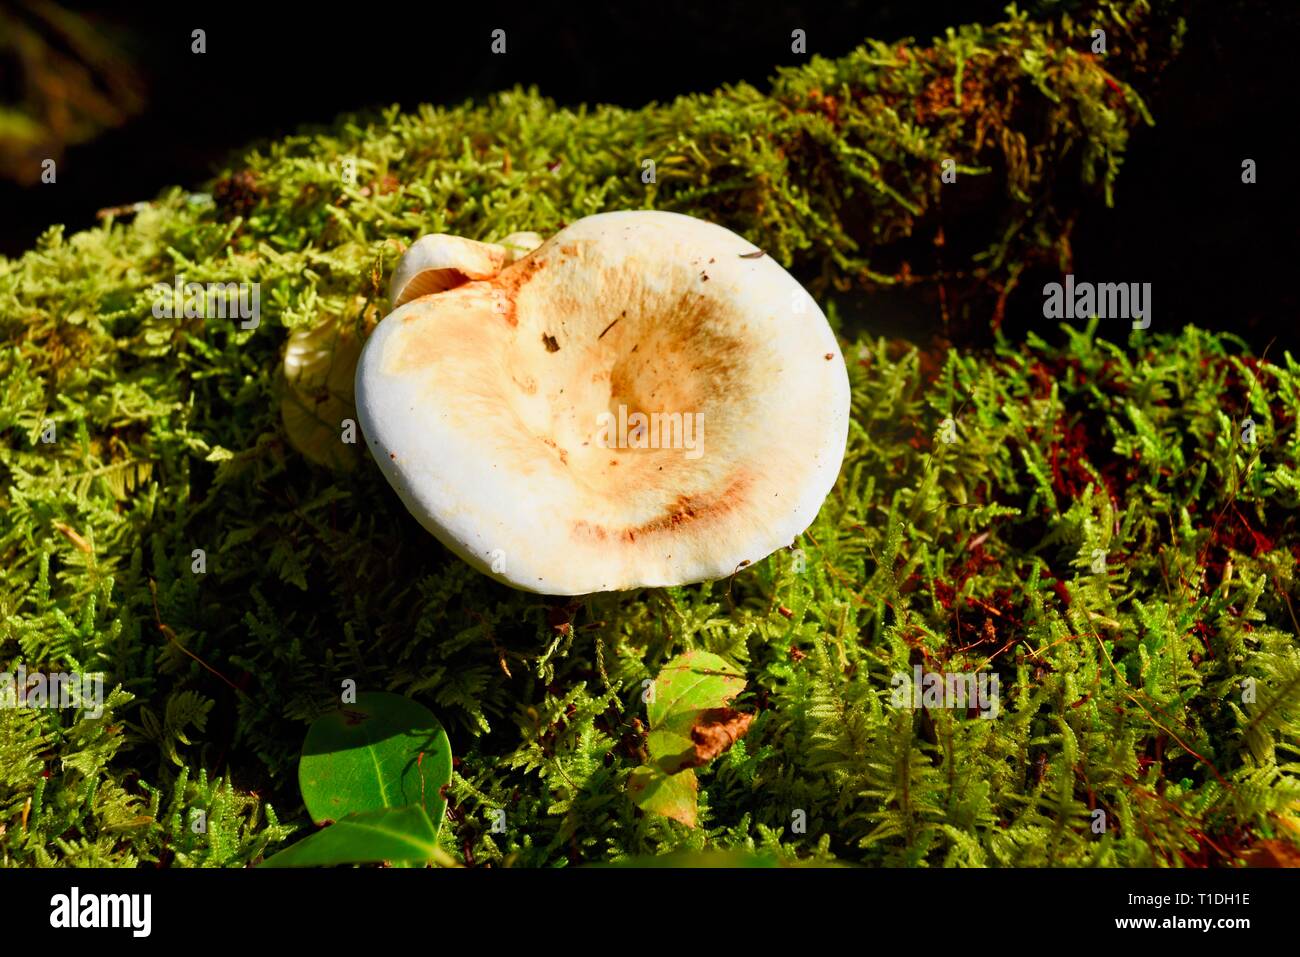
(644, 399)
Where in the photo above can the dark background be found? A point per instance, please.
(1219, 253)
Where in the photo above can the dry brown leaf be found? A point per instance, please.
(714, 732)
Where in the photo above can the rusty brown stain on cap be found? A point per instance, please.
(511, 280)
(694, 510)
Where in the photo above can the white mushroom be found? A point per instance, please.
(643, 400)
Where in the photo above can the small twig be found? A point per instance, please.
(71, 535)
(127, 209)
(1123, 684)
(171, 636)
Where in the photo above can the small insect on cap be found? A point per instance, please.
(642, 400)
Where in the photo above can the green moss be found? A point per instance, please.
(1121, 691)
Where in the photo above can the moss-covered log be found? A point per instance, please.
(1086, 522)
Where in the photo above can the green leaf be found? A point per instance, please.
(395, 835)
(384, 751)
(687, 686)
(670, 795)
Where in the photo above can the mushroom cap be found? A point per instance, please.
(439, 262)
(496, 408)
